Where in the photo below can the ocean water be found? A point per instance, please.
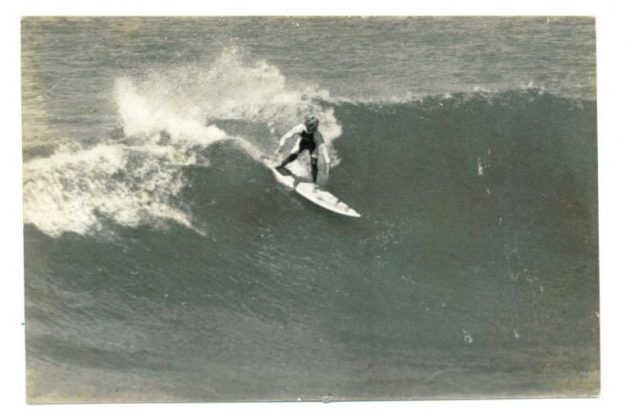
(164, 263)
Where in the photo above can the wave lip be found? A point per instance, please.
(227, 89)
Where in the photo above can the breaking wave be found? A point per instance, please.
(168, 119)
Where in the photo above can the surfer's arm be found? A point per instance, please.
(322, 149)
(294, 131)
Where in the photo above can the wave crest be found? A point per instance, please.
(227, 89)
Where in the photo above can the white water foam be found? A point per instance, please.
(73, 191)
(228, 88)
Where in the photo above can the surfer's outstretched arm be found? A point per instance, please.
(293, 132)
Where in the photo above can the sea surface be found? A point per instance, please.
(164, 263)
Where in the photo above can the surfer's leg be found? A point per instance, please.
(288, 160)
(314, 168)
(292, 156)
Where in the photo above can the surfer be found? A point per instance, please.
(310, 139)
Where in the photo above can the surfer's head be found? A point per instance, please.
(311, 123)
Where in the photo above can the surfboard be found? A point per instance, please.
(311, 191)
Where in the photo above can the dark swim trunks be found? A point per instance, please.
(307, 142)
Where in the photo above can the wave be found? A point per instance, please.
(470, 148)
(468, 202)
(394, 151)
